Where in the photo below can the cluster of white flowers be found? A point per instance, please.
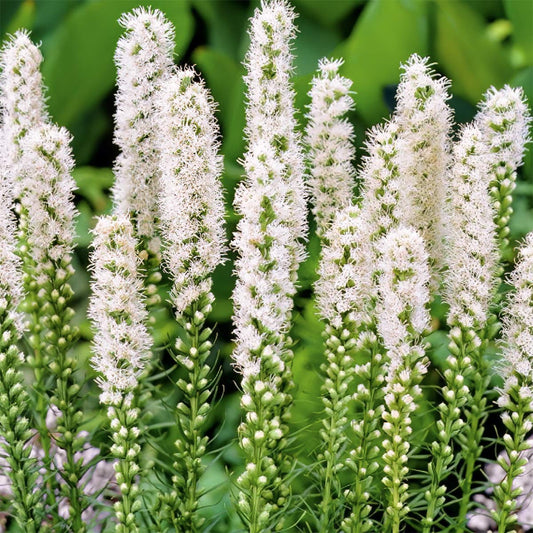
(402, 311)
(424, 121)
(329, 136)
(272, 199)
(47, 196)
(122, 342)
(192, 206)
(21, 98)
(472, 254)
(344, 285)
(518, 324)
(143, 58)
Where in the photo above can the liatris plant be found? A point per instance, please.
(432, 217)
(121, 351)
(403, 317)
(144, 59)
(329, 136)
(271, 203)
(470, 284)
(192, 216)
(517, 394)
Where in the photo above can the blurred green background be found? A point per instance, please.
(474, 43)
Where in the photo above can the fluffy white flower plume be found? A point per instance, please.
(424, 119)
(345, 279)
(192, 206)
(47, 194)
(10, 264)
(272, 199)
(402, 312)
(143, 58)
(472, 255)
(517, 333)
(329, 136)
(122, 342)
(22, 102)
(504, 119)
(383, 191)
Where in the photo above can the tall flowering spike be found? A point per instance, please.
(470, 285)
(504, 120)
(329, 136)
(15, 427)
(143, 58)
(121, 349)
(343, 299)
(192, 206)
(517, 394)
(22, 102)
(472, 256)
(425, 120)
(272, 204)
(192, 227)
(403, 316)
(47, 227)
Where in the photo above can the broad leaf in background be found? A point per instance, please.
(327, 12)
(465, 53)
(78, 67)
(520, 13)
(385, 35)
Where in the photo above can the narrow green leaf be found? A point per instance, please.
(520, 13)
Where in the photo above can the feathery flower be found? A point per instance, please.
(272, 204)
(329, 136)
(517, 395)
(424, 120)
(403, 316)
(192, 227)
(22, 101)
(122, 345)
(472, 257)
(504, 120)
(192, 207)
(121, 350)
(143, 58)
(15, 428)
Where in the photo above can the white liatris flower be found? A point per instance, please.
(22, 101)
(384, 192)
(517, 395)
(122, 343)
(143, 58)
(329, 136)
(192, 206)
(192, 227)
(517, 334)
(344, 285)
(402, 312)
(272, 204)
(47, 197)
(424, 119)
(504, 120)
(472, 255)
(403, 316)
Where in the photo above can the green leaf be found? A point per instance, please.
(23, 17)
(520, 13)
(93, 184)
(224, 78)
(524, 79)
(386, 34)
(465, 51)
(78, 66)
